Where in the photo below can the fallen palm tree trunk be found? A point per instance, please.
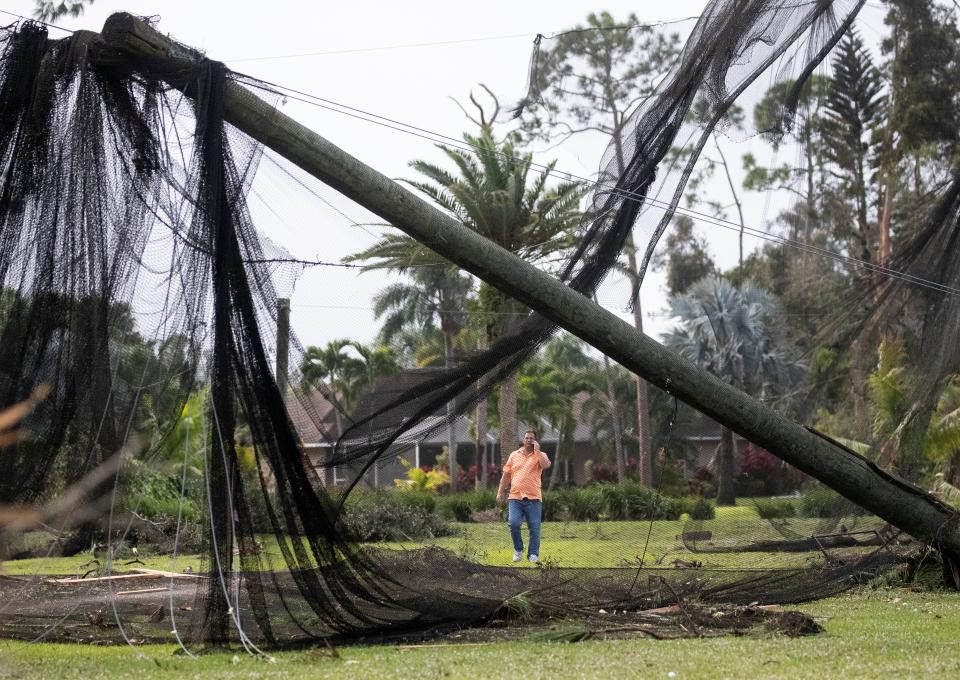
(128, 41)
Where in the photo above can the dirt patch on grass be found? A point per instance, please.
(668, 623)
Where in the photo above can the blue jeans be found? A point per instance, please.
(516, 512)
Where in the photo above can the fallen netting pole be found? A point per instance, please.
(127, 40)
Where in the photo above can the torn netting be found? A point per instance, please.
(731, 45)
(134, 278)
(88, 180)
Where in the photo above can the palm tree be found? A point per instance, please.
(573, 373)
(731, 332)
(434, 295)
(346, 367)
(494, 194)
(613, 387)
(420, 348)
(335, 368)
(375, 361)
(437, 292)
(889, 393)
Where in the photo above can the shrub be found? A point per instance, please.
(763, 474)
(416, 498)
(627, 501)
(602, 472)
(480, 499)
(390, 516)
(820, 501)
(468, 478)
(459, 506)
(703, 474)
(630, 500)
(157, 496)
(746, 487)
(775, 508)
(708, 489)
(456, 507)
(423, 478)
(615, 500)
(584, 504)
(552, 506)
(668, 478)
(697, 507)
(757, 463)
(648, 504)
(700, 484)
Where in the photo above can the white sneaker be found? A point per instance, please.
(517, 555)
(533, 558)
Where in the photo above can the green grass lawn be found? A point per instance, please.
(618, 544)
(869, 634)
(78, 565)
(566, 544)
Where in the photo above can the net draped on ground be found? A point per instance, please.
(123, 209)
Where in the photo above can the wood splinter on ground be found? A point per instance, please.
(134, 573)
(141, 591)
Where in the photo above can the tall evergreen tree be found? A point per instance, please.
(853, 110)
(592, 78)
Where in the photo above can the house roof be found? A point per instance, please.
(387, 389)
(314, 418)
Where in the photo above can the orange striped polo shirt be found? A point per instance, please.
(525, 469)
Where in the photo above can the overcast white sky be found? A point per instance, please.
(411, 84)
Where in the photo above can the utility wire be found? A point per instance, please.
(653, 202)
(36, 21)
(458, 41)
(393, 124)
(382, 48)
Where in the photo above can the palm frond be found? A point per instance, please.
(445, 197)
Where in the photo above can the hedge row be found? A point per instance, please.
(818, 501)
(373, 516)
(398, 515)
(626, 501)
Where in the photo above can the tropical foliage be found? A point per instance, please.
(732, 332)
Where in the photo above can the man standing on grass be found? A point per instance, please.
(521, 476)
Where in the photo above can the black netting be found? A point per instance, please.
(136, 286)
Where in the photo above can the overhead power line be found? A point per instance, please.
(424, 133)
(459, 41)
(20, 16)
(406, 128)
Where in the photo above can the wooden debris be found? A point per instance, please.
(166, 574)
(98, 579)
(143, 590)
(671, 609)
(684, 564)
(133, 573)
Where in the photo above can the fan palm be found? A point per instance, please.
(730, 331)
